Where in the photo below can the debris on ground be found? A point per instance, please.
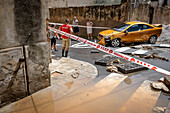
(94, 51)
(159, 109)
(147, 48)
(167, 81)
(75, 74)
(159, 86)
(105, 61)
(153, 56)
(112, 69)
(161, 79)
(85, 83)
(117, 61)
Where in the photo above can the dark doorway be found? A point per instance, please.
(151, 12)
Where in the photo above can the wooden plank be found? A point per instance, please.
(142, 101)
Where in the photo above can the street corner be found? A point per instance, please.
(66, 71)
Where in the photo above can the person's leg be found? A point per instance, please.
(88, 36)
(55, 44)
(91, 35)
(67, 47)
(51, 44)
(63, 49)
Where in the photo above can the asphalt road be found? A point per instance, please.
(82, 52)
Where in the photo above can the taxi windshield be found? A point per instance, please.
(121, 27)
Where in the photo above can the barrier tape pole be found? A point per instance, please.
(112, 52)
(80, 26)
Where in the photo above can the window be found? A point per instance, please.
(134, 28)
(121, 27)
(146, 27)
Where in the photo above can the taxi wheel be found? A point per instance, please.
(152, 39)
(116, 42)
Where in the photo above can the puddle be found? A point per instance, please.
(69, 84)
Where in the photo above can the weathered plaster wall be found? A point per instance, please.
(22, 22)
(99, 15)
(161, 15)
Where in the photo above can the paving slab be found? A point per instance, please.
(143, 99)
(25, 105)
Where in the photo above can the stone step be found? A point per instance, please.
(142, 101)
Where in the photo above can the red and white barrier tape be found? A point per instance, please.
(112, 52)
(80, 26)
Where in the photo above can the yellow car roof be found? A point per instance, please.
(135, 22)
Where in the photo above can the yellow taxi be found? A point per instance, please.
(130, 32)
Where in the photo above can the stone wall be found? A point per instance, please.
(100, 15)
(81, 3)
(151, 13)
(24, 52)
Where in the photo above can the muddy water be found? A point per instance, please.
(69, 84)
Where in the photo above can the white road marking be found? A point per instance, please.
(164, 45)
(122, 49)
(140, 51)
(80, 45)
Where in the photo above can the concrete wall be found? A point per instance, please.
(99, 15)
(23, 25)
(80, 3)
(160, 15)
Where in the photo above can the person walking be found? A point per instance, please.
(66, 40)
(89, 29)
(75, 26)
(52, 37)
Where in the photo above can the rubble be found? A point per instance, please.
(161, 80)
(159, 86)
(117, 61)
(75, 74)
(106, 61)
(147, 48)
(153, 56)
(112, 69)
(159, 109)
(167, 81)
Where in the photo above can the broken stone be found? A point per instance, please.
(161, 80)
(167, 81)
(147, 48)
(85, 84)
(75, 75)
(159, 109)
(117, 61)
(159, 86)
(112, 69)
